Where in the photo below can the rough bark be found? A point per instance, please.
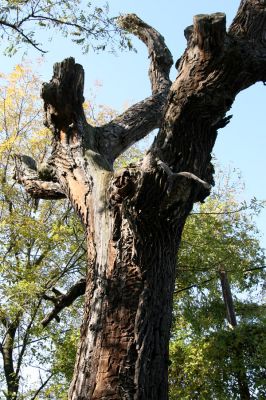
(134, 217)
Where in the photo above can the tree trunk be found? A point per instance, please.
(238, 356)
(123, 352)
(12, 380)
(134, 217)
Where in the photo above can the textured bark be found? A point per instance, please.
(134, 217)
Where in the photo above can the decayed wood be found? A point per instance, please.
(134, 217)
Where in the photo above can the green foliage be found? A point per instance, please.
(39, 249)
(206, 353)
(88, 25)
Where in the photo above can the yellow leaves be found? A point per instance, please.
(20, 106)
(7, 144)
(98, 115)
(38, 143)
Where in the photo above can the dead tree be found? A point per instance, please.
(134, 217)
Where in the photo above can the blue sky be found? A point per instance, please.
(124, 80)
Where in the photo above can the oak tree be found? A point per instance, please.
(134, 217)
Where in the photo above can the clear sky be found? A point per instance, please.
(124, 80)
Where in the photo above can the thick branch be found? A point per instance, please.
(142, 118)
(136, 123)
(63, 98)
(159, 54)
(7, 349)
(249, 28)
(250, 21)
(213, 70)
(26, 173)
(62, 301)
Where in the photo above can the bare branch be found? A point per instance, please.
(136, 123)
(250, 22)
(249, 27)
(143, 117)
(63, 98)
(62, 301)
(159, 54)
(213, 70)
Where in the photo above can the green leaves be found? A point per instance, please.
(20, 23)
(207, 355)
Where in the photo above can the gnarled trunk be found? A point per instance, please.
(123, 352)
(134, 217)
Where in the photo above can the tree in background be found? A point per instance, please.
(87, 25)
(218, 345)
(134, 217)
(39, 254)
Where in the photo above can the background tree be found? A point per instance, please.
(39, 254)
(86, 24)
(134, 218)
(216, 355)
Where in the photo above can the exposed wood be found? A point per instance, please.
(134, 217)
(140, 119)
